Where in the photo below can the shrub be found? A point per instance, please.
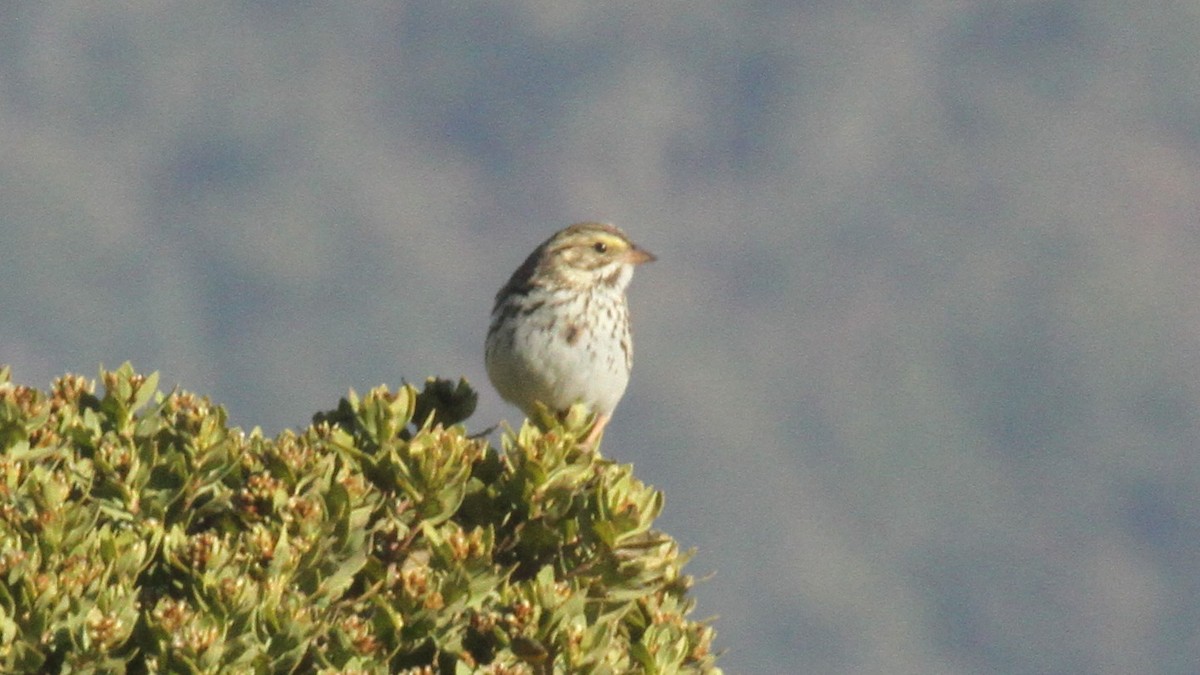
(140, 533)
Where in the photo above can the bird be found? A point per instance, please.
(559, 332)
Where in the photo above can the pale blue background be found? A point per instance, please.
(918, 366)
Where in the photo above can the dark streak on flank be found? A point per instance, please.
(572, 333)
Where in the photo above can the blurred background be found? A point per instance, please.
(918, 368)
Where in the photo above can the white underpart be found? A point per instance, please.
(544, 366)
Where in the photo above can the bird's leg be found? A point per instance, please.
(593, 438)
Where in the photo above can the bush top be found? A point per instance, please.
(139, 531)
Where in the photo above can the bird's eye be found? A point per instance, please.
(599, 247)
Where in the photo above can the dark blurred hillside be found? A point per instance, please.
(916, 369)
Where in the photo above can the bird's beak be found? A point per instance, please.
(637, 256)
